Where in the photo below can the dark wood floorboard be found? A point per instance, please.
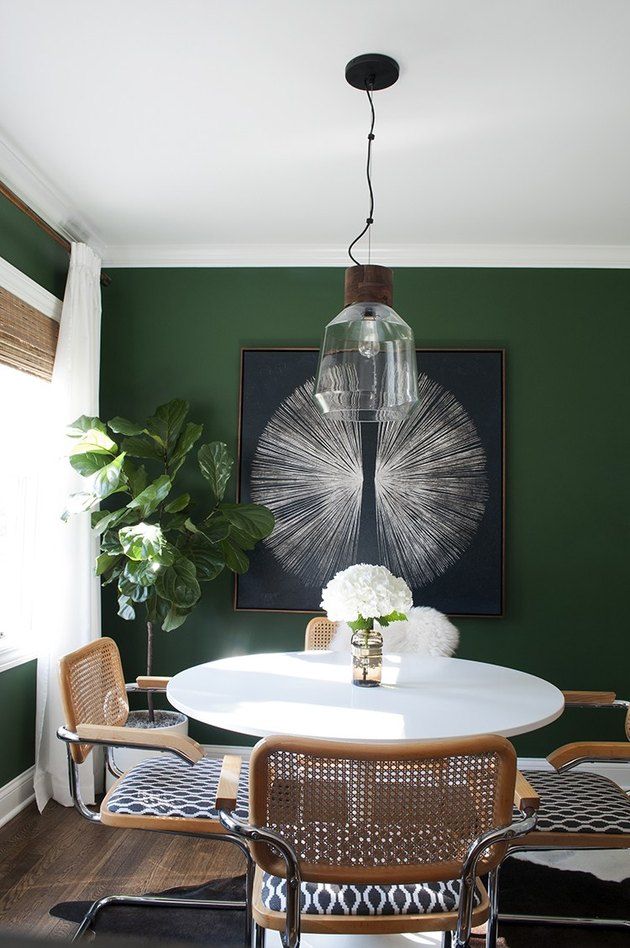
(58, 856)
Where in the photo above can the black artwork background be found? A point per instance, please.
(473, 585)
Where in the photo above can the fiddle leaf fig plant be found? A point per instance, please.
(155, 546)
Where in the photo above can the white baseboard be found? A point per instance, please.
(16, 795)
(218, 750)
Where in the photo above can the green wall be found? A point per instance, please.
(29, 249)
(17, 706)
(32, 251)
(177, 333)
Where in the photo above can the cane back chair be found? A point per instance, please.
(581, 810)
(320, 632)
(172, 792)
(378, 838)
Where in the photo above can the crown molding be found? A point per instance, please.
(32, 186)
(26, 289)
(395, 255)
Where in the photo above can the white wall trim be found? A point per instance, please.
(16, 795)
(418, 255)
(41, 195)
(12, 655)
(218, 750)
(28, 290)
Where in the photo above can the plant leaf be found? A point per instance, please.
(254, 520)
(84, 424)
(113, 576)
(175, 521)
(189, 436)
(78, 502)
(174, 618)
(392, 617)
(167, 423)
(125, 427)
(112, 518)
(152, 496)
(167, 555)
(143, 446)
(110, 478)
(125, 609)
(178, 504)
(215, 462)
(142, 541)
(208, 558)
(178, 583)
(141, 572)
(136, 477)
(90, 462)
(235, 559)
(215, 528)
(95, 441)
(134, 591)
(110, 543)
(104, 562)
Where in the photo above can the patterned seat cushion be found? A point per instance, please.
(320, 898)
(166, 785)
(579, 803)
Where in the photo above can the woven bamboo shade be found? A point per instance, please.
(28, 339)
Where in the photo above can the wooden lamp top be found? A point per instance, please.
(368, 284)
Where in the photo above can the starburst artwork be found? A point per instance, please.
(422, 496)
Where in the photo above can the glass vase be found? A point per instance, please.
(367, 658)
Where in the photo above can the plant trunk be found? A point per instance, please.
(150, 670)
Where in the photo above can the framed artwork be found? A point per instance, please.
(424, 496)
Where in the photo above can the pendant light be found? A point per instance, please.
(367, 367)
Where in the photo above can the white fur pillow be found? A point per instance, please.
(425, 632)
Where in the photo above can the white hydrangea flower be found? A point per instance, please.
(365, 590)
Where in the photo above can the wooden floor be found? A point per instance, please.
(59, 856)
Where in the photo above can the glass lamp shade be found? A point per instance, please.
(367, 367)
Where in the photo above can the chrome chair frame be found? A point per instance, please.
(290, 937)
(69, 738)
(576, 921)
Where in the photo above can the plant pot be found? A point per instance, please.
(167, 722)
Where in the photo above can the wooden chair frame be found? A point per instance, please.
(564, 759)
(80, 737)
(282, 858)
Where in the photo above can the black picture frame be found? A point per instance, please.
(474, 586)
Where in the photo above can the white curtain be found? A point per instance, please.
(68, 592)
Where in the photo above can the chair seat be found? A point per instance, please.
(165, 785)
(579, 803)
(320, 898)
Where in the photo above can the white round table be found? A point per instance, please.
(309, 694)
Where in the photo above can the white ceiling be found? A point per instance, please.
(199, 130)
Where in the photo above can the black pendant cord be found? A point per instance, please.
(370, 218)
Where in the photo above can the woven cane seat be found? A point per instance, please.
(320, 898)
(579, 803)
(165, 785)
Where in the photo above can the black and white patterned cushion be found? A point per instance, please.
(320, 898)
(579, 803)
(166, 785)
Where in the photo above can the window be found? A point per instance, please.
(28, 330)
(24, 401)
